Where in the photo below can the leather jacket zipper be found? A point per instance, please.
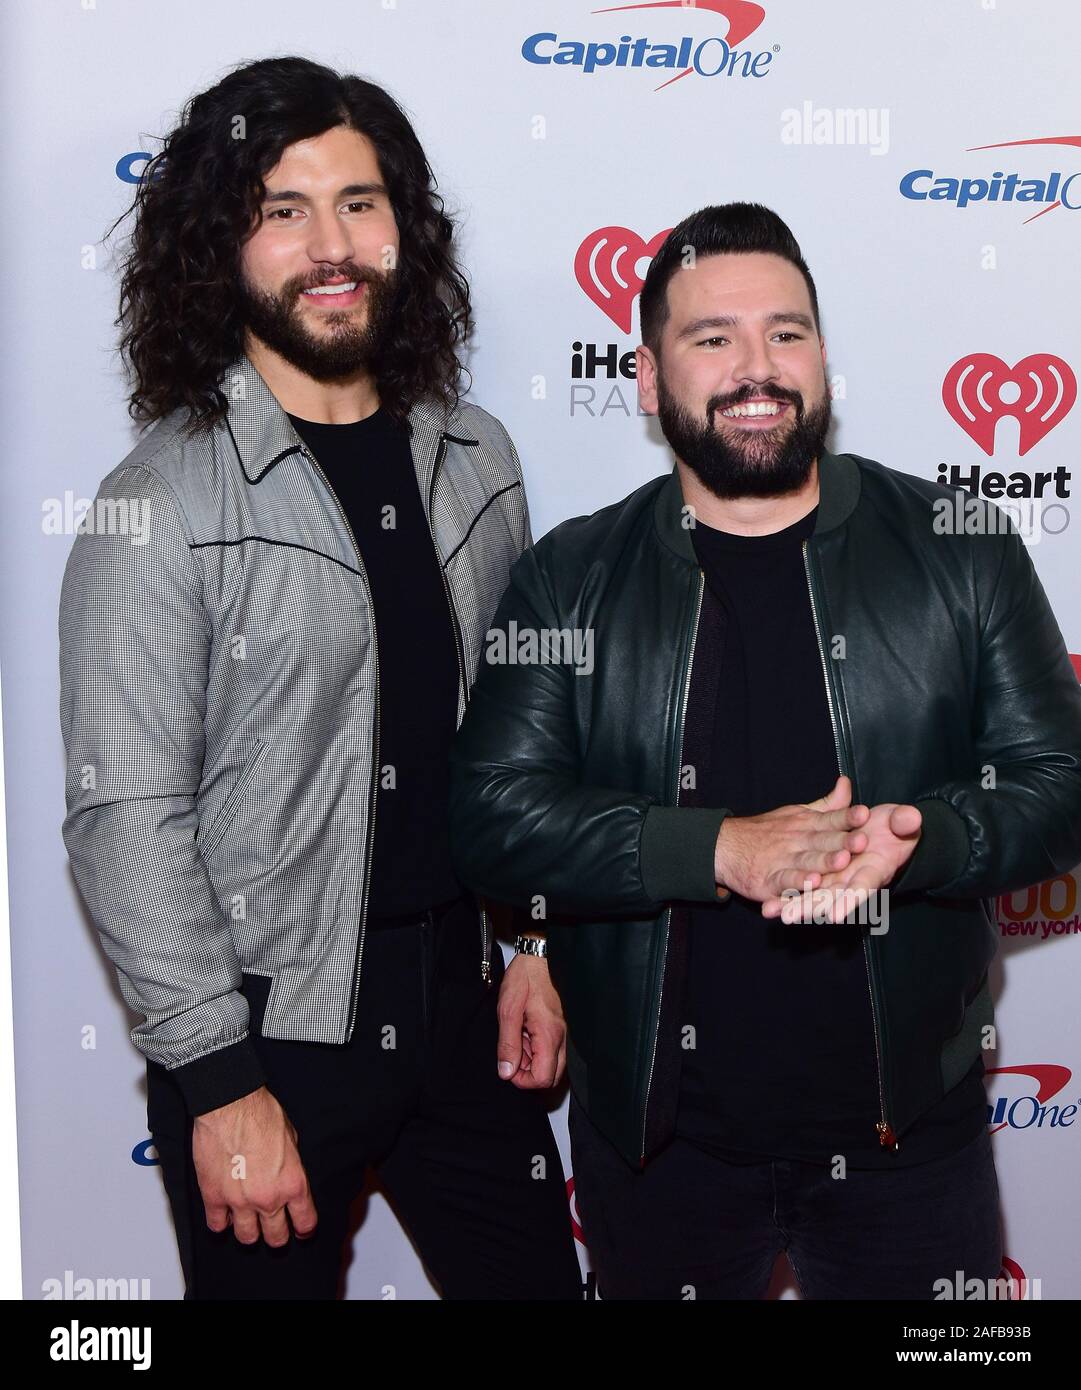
(886, 1136)
(485, 947)
(668, 910)
(375, 747)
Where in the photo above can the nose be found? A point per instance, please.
(329, 240)
(753, 363)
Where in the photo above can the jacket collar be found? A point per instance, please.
(838, 493)
(263, 434)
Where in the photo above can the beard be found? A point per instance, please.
(344, 347)
(746, 463)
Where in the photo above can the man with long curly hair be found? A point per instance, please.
(259, 689)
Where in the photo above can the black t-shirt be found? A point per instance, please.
(369, 464)
(784, 1064)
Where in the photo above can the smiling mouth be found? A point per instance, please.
(758, 415)
(340, 294)
(751, 410)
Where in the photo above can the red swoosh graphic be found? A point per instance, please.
(1049, 1078)
(1074, 140)
(743, 19)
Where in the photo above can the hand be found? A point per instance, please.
(254, 1130)
(892, 833)
(791, 847)
(532, 1049)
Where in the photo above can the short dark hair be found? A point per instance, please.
(722, 229)
(199, 201)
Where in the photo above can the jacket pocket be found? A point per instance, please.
(209, 839)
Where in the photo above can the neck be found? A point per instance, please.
(748, 516)
(340, 402)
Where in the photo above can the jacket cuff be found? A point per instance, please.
(220, 1077)
(677, 853)
(942, 850)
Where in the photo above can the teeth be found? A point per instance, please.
(736, 412)
(334, 289)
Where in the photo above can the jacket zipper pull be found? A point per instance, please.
(886, 1136)
(486, 971)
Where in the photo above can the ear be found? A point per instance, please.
(646, 370)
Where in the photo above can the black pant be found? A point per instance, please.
(690, 1225)
(468, 1161)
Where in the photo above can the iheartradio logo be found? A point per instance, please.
(572, 1202)
(1039, 392)
(605, 267)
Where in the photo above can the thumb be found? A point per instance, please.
(837, 799)
(905, 821)
(509, 1047)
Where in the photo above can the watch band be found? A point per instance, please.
(531, 946)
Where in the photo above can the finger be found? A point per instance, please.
(905, 821)
(829, 841)
(245, 1225)
(799, 880)
(822, 861)
(840, 879)
(849, 817)
(275, 1227)
(303, 1215)
(825, 905)
(561, 1061)
(217, 1216)
(545, 1048)
(508, 1050)
(795, 908)
(839, 795)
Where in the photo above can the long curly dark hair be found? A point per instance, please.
(200, 199)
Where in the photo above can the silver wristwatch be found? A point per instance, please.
(531, 946)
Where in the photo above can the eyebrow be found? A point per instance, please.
(351, 190)
(732, 321)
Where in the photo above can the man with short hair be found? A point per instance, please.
(258, 704)
(799, 683)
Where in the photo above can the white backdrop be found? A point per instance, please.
(843, 115)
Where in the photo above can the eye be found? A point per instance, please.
(360, 205)
(710, 341)
(275, 213)
(793, 337)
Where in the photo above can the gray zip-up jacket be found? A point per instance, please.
(219, 705)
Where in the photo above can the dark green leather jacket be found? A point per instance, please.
(955, 692)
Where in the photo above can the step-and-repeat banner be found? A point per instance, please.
(927, 156)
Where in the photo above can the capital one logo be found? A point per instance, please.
(606, 266)
(711, 56)
(1030, 1111)
(980, 389)
(1053, 188)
